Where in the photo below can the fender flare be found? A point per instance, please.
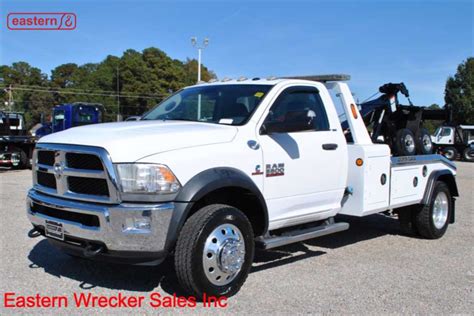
(203, 183)
(450, 180)
(444, 175)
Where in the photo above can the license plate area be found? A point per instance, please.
(54, 230)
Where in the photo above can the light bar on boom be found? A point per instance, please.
(322, 78)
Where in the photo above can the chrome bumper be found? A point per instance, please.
(116, 222)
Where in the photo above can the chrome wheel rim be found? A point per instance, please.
(449, 154)
(440, 210)
(409, 143)
(427, 142)
(224, 254)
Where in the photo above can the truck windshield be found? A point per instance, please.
(231, 104)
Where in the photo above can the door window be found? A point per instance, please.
(446, 132)
(298, 104)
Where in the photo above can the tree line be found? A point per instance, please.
(142, 79)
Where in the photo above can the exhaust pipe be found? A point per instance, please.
(34, 232)
(92, 250)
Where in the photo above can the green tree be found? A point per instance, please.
(432, 125)
(459, 92)
(29, 84)
(145, 78)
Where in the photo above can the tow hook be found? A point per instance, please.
(92, 250)
(34, 232)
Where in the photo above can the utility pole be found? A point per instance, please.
(118, 95)
(10, 98)
(195, 44)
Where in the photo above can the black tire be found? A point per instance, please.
(424, 219)
(190, 248)
(423, 143)
(24, 160)
(450, 152)
(405, 144)
(468, 154)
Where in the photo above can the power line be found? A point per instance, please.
(373, 95)
(103, 94)
(50, 103)
(72, 89)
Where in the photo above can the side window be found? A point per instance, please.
(58, 117)
(295, 105)
(446, 132)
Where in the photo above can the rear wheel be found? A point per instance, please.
(468, 154)
(431, 220)
(450, 152)
(423, 143)
(214, 251)
(405, 142)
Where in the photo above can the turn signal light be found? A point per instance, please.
(359, 162)
(354, 111)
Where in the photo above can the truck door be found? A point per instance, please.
(59, 119)
(304, 171)
(445, 136)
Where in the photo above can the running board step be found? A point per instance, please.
(300, 235)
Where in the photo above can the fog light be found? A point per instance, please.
(137, 225)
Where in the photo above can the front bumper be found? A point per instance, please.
(113, 226)
(9, 159)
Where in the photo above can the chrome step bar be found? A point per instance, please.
(300, 235)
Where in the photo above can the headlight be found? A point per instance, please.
(147, 178)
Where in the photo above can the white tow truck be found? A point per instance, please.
(220, 168)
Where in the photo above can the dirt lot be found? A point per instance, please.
(371, 268)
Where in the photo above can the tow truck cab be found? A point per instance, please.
(450, 140)
(219, 168)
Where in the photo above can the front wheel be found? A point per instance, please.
(432, 220)
(214, 251)
(450, 152)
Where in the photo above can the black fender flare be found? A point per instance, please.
(447, 177)
(203, 183)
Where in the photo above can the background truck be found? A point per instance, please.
(16, 145)
(69, 115)
(452, 140)
(400, 126)
(220, 168)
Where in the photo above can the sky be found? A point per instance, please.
(417, 42)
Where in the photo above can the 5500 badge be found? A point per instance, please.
(271, 170)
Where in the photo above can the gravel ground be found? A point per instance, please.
(371, 268)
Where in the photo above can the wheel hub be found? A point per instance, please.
(409, 142)
(440, 210)
(223, 254)
(231, 256)
(427, 142)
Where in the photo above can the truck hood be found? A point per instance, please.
(131, 141)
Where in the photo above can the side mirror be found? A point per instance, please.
(296, 121)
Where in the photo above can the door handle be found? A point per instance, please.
(329, 146)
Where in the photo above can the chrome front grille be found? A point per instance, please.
(75, 172)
